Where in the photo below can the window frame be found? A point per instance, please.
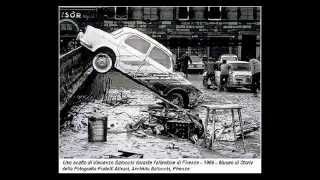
(215, 19)
(245, 17)
(121, 18)
(149, 15)
(170, 58)
(113, 16)
(131, 35)
(188, 11)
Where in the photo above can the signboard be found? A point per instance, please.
(70, 15)
(78, 13)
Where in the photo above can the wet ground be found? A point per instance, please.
(73, 136)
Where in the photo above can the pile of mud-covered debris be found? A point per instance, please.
(186, 125)
(169, 122)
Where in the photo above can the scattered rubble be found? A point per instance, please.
(169, 122)
(172, 146)
(140, 124)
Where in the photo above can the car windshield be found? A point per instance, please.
(240, 66)
(229, 58)
(195, 58)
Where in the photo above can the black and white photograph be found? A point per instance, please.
(167, 84)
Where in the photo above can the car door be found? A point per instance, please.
(133, 50)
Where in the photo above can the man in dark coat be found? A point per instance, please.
(210, 68)
(255, 70)
(184, 63)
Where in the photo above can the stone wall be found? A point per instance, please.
(73, 71)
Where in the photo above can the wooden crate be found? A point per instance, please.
(182, 129)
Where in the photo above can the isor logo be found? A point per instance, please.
(71, 14)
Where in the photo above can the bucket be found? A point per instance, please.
(97, 129)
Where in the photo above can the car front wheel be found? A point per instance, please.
(177, 99)
(205, 83)
(103, 61)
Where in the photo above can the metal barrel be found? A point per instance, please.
(97, 129)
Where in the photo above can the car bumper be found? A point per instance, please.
(82, 41)
(196, 68)
(239, 85)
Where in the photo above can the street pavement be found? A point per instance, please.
(73, 137)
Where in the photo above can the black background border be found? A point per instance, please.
(37, 95)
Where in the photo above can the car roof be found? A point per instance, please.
(231, 62)
(125, 30)
(228, 55)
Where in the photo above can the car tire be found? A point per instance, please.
(103, 60)
(205, 83)
(177, 99)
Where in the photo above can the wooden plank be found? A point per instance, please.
(223, 106)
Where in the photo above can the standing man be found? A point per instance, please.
(224, 75)
(184, 63)
(255, 71)
(211, 71)
(205, 60)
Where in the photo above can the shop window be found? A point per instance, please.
(65, 27)
(68, 27)
(183, 13)
(150, 14)
(138, 43)
(214, 13)
(160, 57)
(121, 12)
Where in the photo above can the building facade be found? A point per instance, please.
(209, 31)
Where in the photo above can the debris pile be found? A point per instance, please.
(169, 122)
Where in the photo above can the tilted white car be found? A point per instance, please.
(142, 58)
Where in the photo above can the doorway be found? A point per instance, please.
(248, 49)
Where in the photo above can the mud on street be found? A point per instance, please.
(73, 136)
